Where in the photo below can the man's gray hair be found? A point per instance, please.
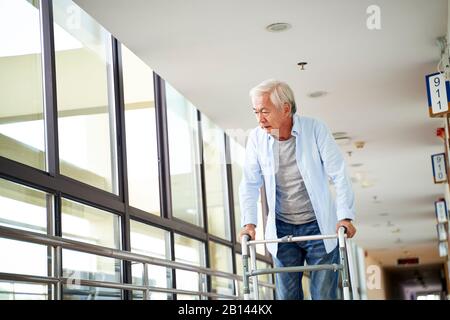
(279, 93)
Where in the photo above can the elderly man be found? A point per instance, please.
(295, 156)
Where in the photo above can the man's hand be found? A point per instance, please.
(248, 229)
(347, 223)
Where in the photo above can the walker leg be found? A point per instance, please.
(245, 282)
(255, 278)
(344, 263)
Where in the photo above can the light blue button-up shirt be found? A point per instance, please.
(318, 159)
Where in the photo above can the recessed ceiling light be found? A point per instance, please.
(356, 165)
(339, 134)
(278, 27)
(317, 94)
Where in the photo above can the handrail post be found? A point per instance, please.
(145, 282)
(57, 269)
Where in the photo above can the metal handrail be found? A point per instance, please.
(53, 241)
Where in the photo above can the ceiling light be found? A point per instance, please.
(278, 27)
(317, 94)
(356, 165)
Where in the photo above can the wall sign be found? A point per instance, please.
(437, 91)
(442, 232)
(439, 167)
(443, 249)
(440, 208)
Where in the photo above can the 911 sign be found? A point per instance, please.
(437, 89)
(439, 167)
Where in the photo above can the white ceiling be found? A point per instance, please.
(213, 52)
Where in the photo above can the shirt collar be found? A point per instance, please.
(296, 125)
(295, 131)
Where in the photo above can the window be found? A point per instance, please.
(140, 125)
(87, 224)
(184, 158)
(221, 259)
(26, 209)
(153, 242)
(215, 179)
(22, 207)
(192, 252)
(265, 293)
(77, 292)
(22, 135)
(86, 121)
(237, 153)
(23, 291)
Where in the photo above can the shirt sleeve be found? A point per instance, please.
(334, 166)
(250, 184)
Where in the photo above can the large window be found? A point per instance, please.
(85, 98)
(154, 242)
(142, 156)
(184, 158)
(215, 179)
(87, 224)
(192, 252)
(88, 98)
(21, 112)
(221, 258)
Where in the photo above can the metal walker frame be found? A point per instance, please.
(345, 267)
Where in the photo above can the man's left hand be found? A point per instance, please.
(351, 230)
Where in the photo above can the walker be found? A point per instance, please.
(345, 267)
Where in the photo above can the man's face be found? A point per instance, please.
(269, 117)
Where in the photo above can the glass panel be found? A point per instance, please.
(184, 158)
(80, 265)
(221, 259)
(22, 135)
(76, 292)
(140, 124)
(239, 272)
(85, 103)
(22, 207)
(138, 295)
(215, 179)
(187, 297)
(189, 251)
(265, 293)
(153, 242)
(23, 258)
(87, 224)
(23, 291)
(237, 153)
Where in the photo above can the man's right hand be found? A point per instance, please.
(248, 229)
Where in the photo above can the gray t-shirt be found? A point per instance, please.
(293, 204)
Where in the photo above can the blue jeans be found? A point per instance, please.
(323, 284)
